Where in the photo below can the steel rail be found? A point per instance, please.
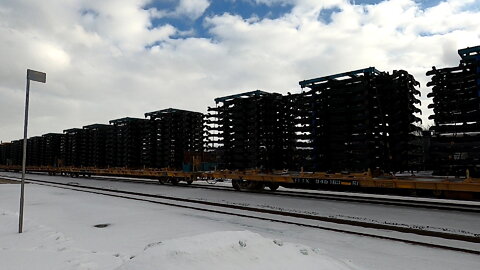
(347, 197)
(124, 194)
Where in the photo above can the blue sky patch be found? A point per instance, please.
(243, 8)
(423, 3)
(326, 14)
(248, 9)
(473, 7)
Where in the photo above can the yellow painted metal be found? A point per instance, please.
(363, 180)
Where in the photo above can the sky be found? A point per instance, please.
(116, 58)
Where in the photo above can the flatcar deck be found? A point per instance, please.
(462, 188)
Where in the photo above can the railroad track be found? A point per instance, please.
(436, 204)
(433, 239)
(364, 198)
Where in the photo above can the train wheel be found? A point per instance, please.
(189, 182)
(248, 185)
(174, 181)
(438, 193)
(256, 186)
(273, 186)
(236, 184)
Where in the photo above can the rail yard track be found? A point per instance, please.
(335, 196)
(437, 204)
(434, 239)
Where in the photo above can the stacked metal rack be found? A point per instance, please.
(352, 121)
(41, 151)
(398, 100)
(17, 152)
(360, 120)
(6, 153)
(333, 135)
(73, 147)
(127, 139)
(173, 132)
(96, 141)
(52, 146)
(35, 151)
(455, 145)
(301, 107)
(252, 130)
(170, 138)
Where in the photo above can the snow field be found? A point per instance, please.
(231, 250)
(60, 233)
(128, 241)
(40, 247)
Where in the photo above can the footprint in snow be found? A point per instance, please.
(152, 245)
(102, 225)
(242, 243)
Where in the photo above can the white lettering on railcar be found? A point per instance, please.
(317, 181)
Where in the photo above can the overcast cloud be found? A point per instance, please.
(109, 59)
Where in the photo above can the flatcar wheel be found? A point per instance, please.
(247, 185)
(174, 181)
(255, 186)
(273, 186)
(236, 184)
(189, 182)
(438, 193)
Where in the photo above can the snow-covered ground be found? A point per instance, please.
(60, 233)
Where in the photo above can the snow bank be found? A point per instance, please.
(230, 250)
(40, 247)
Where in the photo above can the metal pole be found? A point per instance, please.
(24, 160)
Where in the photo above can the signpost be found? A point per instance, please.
(37, 76)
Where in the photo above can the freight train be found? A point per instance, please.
(351, 130)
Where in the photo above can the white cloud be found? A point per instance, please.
(105, 59)
(192, 9)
